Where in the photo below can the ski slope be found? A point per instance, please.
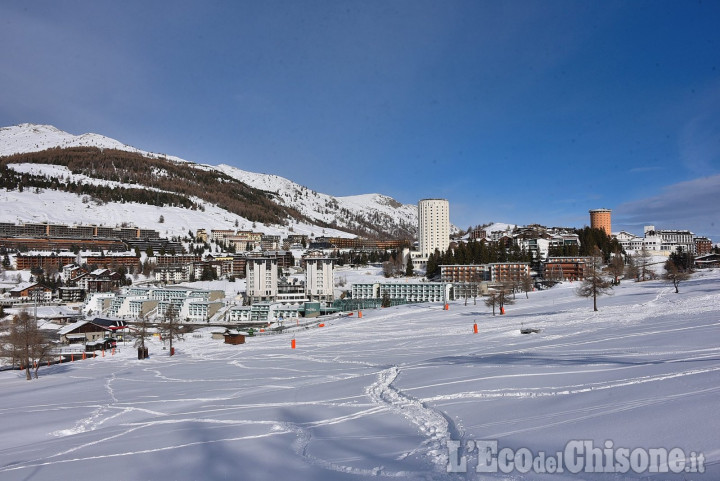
(382, 395)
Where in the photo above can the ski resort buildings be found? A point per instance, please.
(659, 241)
(264, 283)
(496, 272)
(262, 279)
(410, 292)
(137, 302)
(433, 230)
(320, 281)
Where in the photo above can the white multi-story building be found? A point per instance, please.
(411, 292)
(172, 274)
(320, 280)
(433, 226)
(663, 242)
(262, 278)
(670, 240)
(136, 302)
(628, 241)
(264, 312)
(97, 303)
(220, 234)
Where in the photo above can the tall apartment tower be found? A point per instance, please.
(262, 280)
(433, 226)
(600, 219)
(319, 282)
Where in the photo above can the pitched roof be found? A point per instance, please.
(109, 323)
(22, 287)
(105, 324)
(71, 327)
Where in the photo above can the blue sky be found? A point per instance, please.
(515, 111)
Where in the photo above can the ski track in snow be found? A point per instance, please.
(339, 383)
(430, 422)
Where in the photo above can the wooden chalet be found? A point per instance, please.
(91, 330)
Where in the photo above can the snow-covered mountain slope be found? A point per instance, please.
(34, 138)
(500, 227)
(374, 213)
(350, 211)
(55, 207)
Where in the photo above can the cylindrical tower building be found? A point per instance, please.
(600, 219)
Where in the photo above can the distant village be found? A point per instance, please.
(97, 277)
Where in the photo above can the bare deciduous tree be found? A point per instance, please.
(25, 344)
(499, 296)
(617, 267)
(142, 327)
(170, 327)
(631, 270)
(675, 274)
(492, 300)
(594, 283)
(526, 284)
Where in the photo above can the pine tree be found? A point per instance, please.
(409, 269)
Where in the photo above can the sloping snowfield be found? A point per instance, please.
(384, 395)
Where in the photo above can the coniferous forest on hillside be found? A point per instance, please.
(162, 182)
(152, 181)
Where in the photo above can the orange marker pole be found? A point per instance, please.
(292, 344)
(360, 314)
(72, 357)
(475, 328)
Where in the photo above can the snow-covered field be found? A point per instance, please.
(383, 395)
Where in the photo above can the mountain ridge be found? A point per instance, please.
(374, 215)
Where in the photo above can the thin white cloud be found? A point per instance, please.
(693, 205)
(638, 170)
